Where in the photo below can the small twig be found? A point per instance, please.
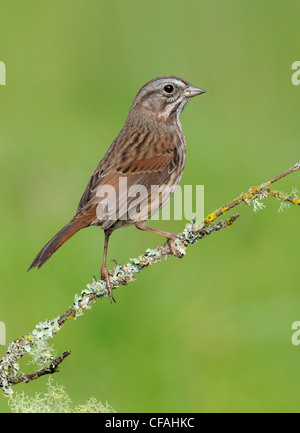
(121, 275)
(50, 369)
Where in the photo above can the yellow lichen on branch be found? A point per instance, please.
(253, 195)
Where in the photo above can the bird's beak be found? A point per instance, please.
(193, 91)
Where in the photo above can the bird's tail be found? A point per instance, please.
(57, 241)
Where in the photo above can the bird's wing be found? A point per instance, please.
(143, 162)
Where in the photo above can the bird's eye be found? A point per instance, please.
(168, 88)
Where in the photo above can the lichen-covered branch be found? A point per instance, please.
(122, 275)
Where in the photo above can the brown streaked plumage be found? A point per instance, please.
(148, 153)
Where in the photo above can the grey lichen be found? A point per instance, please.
(42, 354)
(45, 330)
(55, 400)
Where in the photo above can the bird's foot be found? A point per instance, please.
(174, 250)
(105, 275)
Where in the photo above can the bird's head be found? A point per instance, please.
(165, 97)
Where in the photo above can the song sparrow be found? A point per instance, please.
(148, 153)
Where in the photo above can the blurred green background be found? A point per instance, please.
(211, 332)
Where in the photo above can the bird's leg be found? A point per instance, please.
(104, 271)
(141, 225)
